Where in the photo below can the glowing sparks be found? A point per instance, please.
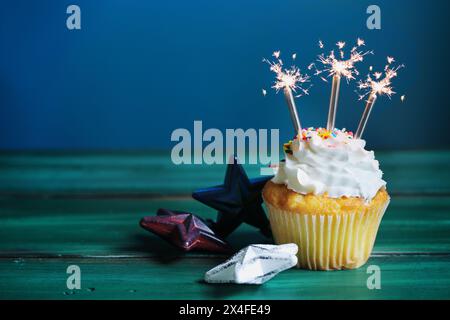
(291, 78)
(320, 44)
(340, 45)
(294, 56)
(402, 98)
(341, 66)
(264, 92)
(376, 85)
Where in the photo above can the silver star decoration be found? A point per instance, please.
(254, 264)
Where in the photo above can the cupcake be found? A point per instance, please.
(328, 197)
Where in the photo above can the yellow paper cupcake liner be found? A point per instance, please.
(328, 242)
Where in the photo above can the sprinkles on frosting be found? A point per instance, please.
(287, 147)
(323, 133)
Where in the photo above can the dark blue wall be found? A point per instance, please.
(139, 69)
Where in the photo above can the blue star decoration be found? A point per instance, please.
(237, 201)
(184, 230)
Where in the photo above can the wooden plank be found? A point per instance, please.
(424, 277)
(41, 234)
(102, 227)
(407, 172)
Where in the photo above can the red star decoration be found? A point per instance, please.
(184, 230)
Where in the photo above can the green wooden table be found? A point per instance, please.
(83, 208)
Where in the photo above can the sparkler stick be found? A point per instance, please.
(333, 101)
(292, 109)
(290, 80)
(362, 123)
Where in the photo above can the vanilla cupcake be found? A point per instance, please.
(328, 197)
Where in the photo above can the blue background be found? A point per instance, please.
(137, 70)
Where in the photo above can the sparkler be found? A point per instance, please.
(338, 68)
(289, 80)
(376, 87)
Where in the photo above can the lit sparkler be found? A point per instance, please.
(289, 80)
(337, 68)
(375, 85)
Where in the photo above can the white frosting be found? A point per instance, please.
(338, 165)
